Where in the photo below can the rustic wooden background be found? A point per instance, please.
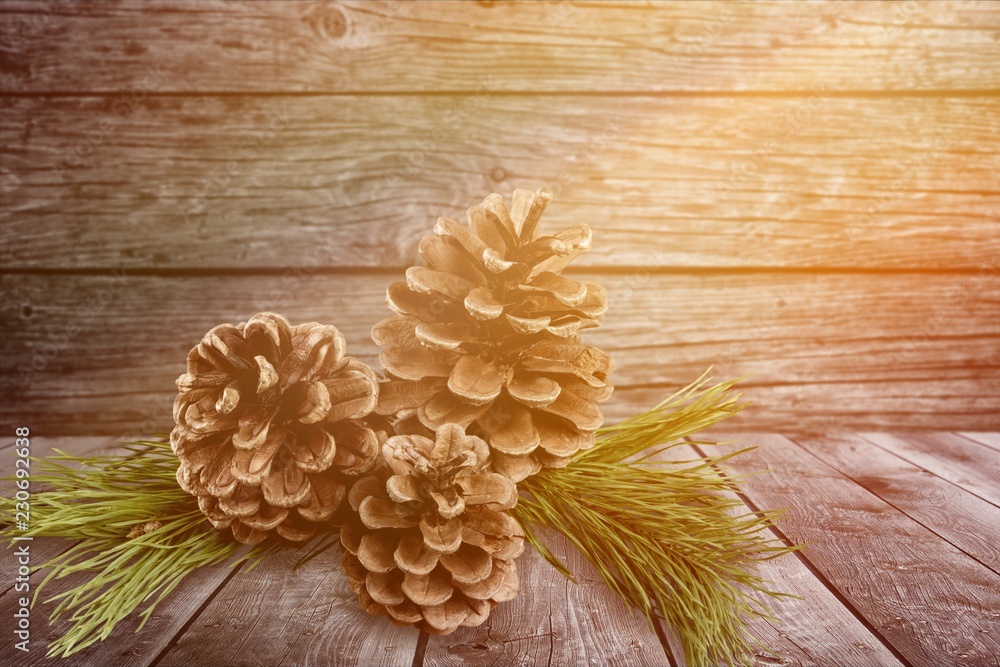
(805, 192)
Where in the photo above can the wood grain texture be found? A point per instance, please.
(553, 622)
(885, 565)
(825, 351)
(814, 630)
(967, 465)
(570, 46)
(296, 182)
(274, 615)
(71, 444)
(987, 438)
(124, 646)
(961, 518)
(41, 549)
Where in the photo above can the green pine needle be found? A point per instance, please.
(99, 500)
(667, 539)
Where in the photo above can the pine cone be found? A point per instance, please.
(487, 336)
(267, 432)
(431, 545)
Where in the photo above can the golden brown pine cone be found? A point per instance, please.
(431, 544)
(487, 336)
(267, 428)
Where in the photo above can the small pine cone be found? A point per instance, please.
(267, 426)
(487, 336)
(431, 544)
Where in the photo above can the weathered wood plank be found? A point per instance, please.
(814, 630)
(815, 406)
(74, 444)
(123, 647)
(274, 615)
(887, 566)
(569, 46)
(965, 464)
(825, 351)
(956, 515)
(41, 549)
(356, 181)
(553, 621)
(990, 439)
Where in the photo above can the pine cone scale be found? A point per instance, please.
(510, 428)
(445, 408)
(441, 487)
(385, 588)
(285, 485)
(312, 449)
(444, 256)
(445, 537)
(265, 519)
(356, 448)
(251, 466)
(416, 363)
(379, 513)
(376, 552)
(475, 380)
(241, 504)
(567, 292)
(260, 438)
(533, 390)
(429, 589)
(428, 281)
(505, 376)
(414, 556)
(468, 565)
(325, 497)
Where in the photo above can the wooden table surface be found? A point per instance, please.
(803, 192)
(902, 568)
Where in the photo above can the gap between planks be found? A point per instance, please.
(860, 650)
(887, 570)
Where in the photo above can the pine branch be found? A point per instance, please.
(669, 540)
(140, 536)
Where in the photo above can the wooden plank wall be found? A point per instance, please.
(805, 192)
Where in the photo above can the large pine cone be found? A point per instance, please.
(431, 545)
(487, 336)
(266, 426)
